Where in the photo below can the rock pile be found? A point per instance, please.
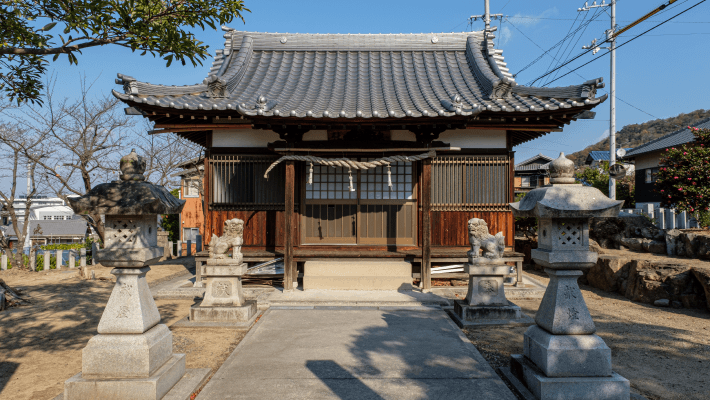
(647, 281)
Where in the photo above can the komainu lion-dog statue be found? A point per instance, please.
(478, 236)
(231, 238)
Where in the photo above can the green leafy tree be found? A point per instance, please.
(599, 178)
(33, 30)
(171, 222)
(684, 178)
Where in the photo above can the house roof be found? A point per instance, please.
(601, 155)
(293, 77)
(72, 227)
(534, 163)
(676, 138)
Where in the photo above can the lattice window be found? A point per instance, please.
(331, 183)
(569, 233)
(238, 183)
(124, 231)
(375, 184)
(470, 183)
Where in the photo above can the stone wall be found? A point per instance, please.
(647, 281)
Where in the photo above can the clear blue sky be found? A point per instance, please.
(661, 74)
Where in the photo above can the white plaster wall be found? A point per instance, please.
(475, 138)
(243, 138)
(649, 160)
(315, 135)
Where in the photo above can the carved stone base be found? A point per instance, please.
(475, 316)
(485, 285)
(614, 387)
(153, 387)
(224, 285)
(563, 310)
(242, 313)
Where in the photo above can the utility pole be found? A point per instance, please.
(611, 38)
(486, 17)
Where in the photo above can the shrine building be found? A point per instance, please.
(445, 105)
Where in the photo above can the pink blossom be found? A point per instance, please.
(685, 153)
(681, 189)
(675, 177)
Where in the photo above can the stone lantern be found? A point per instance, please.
(563, 358)
(132, 356)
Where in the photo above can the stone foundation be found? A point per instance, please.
(357, 275)
(242, 313)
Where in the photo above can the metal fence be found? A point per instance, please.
(665, 218)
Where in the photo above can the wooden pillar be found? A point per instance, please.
(288, 229)
(426, 225)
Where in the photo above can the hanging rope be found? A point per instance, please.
(348, 163)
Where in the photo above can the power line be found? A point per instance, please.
(626, 42)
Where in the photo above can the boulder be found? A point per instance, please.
(609, 272)
(701, 247)
(662, 303)
(595, 247)
(609, 232)
(702, 274)
(672, 240)
(687, 240)
(649, 281)
(635, 244)
(654, 246)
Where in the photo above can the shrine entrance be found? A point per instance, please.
(360, 207)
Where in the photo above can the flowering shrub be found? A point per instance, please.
(684, 175)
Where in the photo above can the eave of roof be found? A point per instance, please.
(533, 158)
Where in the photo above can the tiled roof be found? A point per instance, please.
(676, 138)
(360, 76)
(532, 167)
(72, 227)
(601, 155)
(534, 163)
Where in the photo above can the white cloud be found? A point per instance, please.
(525, 21)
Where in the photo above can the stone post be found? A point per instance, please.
(3, 262)
(82, 260)
(178, 249)
(672, 218)
(198, 244)
(188, 251)
(224, 299)
(661, 218)
(94, 250)
(171, 249)
(563, 358)
(60, 258)
(72, 259)
(46, 255)
(33, 259)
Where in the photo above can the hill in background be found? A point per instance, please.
(638, 134)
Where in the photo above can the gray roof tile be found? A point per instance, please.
(359, 76)
(676, 138)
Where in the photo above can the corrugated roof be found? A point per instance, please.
(72, 227)
(360, 76)
(601, 155)
(676, 138)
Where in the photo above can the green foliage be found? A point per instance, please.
(150, 26)
(684, 178)
(599, 178)
(171, 222)
(637, 134)
(703, 219)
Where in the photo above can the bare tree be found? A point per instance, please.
(14, 142)
(80, 142)
(164, 153)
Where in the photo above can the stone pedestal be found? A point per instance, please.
(485, 302)
(562, 357)
(224, 298)
(132, 356)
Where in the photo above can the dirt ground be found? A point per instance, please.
(663, 352)
(40, 345)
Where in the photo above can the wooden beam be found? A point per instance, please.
(425, 283)
(383, 150)
(537, 128)
(288, 229)
(203, 126)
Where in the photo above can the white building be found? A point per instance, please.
(38, 202)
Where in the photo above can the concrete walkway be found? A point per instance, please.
(355, 353)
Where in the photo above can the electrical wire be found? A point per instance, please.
(626, 42)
